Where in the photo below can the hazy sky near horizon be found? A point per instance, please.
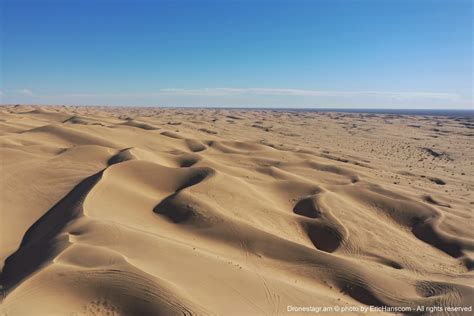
(249, 53)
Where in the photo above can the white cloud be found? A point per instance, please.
(223, 92)
(307, 93)
(25, 92)
(258, 97)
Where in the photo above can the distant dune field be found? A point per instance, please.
(149, 211)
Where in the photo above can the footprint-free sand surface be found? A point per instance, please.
(149, 211)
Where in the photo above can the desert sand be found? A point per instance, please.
(151, 211)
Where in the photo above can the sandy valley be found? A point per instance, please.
(151, 211)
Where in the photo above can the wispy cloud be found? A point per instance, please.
(229, 92)
(308, 93)
(257, 97)
(26, 92)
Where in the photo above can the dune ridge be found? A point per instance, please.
(119, 212)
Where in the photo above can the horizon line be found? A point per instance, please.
(241, 107)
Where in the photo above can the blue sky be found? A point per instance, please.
(366, 54)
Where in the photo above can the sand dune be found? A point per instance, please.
(144, 211)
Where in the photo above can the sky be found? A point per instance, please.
(248, 53)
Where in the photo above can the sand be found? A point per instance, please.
(149, 211)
